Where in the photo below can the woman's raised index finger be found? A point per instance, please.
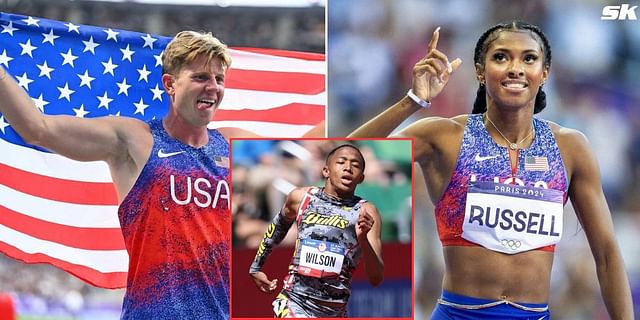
(434, 40)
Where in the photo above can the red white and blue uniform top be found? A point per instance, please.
(488, 203)
(176, 226)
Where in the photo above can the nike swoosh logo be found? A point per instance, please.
(479, 158)
(166, 155)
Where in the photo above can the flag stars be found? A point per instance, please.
(4, 59)
(31, 21)
(3, 124)
(126, 53)
(50, 42)
(90, 46)
(24, 81)
(65, 92)
(27, 48)
(80, 112)
(144, 74)
(45, 70)
(157, 93)
(40, 103)
(148, 41)
(9, 28)
(72, 27)
(123, 87)
(112, 34)
(158, 59)
(109, 67)
(85, 79)
(50, 37)
(104, 101)
(140, 107)
(68, 58)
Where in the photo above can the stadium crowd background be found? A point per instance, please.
(265, 171)
(290, 28)
(43, 292)
(593, 87)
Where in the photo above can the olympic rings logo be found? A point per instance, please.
(511, 244)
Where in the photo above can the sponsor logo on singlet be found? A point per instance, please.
(162, 154)
(326, 220)
(201, 191)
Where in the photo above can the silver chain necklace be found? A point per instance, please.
(512, 145)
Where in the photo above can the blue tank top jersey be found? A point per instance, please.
(176, 226)
(481, 159)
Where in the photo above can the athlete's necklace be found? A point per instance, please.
(512, 145)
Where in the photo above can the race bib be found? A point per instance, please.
(320, 258)
(511, 218)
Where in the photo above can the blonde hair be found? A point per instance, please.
(187, 46)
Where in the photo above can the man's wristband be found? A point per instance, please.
(423, 103)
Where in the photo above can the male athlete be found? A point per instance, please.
(171, 177)
(335, 229)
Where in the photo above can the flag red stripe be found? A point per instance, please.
(284, 53)
(289, 82)
(295, 113)
(109, 280)
(79, 192)
(76, 237)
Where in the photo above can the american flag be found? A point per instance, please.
(532, 163)
(222, 161)
(63, 212)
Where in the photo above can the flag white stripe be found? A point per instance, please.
(265, 129)
(262, 62)
(52, 165)
(74, 215)
(100, 260)
(235, 99)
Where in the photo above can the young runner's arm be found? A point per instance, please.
(368, 230)
(276, 231)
